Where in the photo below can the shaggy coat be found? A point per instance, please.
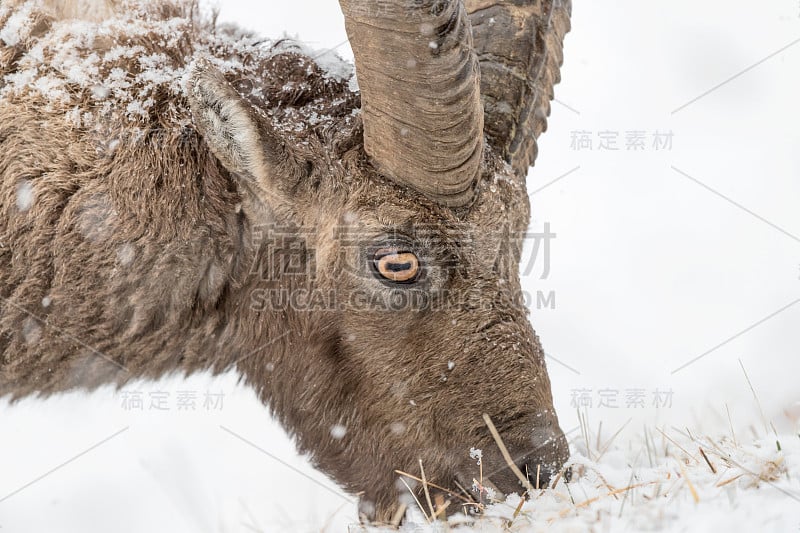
(178, 196)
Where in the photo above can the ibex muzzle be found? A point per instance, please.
(356, 264)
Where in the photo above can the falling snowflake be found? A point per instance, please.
(24, 195)
(338, 431)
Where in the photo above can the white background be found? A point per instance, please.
(650, 269)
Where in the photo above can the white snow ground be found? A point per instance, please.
(661, 256)
(659, 487)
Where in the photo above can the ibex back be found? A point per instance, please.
(178, 196)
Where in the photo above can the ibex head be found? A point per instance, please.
(416, 233)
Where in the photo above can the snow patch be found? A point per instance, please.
(18, 25)
(24, 195)
(352, 85)
(123, 65)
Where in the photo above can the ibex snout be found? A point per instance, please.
(548, 452)
(540, 458)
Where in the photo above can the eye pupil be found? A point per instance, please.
(396, 265)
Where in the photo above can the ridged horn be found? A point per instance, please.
(420, 93)
(519, 44)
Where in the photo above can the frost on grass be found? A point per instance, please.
(129, 69)
(651, 483)
(476, 454)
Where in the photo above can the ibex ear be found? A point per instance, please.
(243, 141)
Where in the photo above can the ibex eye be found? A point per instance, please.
(396, 264)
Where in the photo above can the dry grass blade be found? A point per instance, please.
(441, 506)
(730, 460)
(612, 493)
(755, 396)
(569, 491)
(611, 489)
(421, 508)
(689, 482)
(425, 488)
(611, 440)
(506, 455)
(647, 445)
(399, 514)
(696, 460)
(727, 481)
(467, 498)
(630, 482)
(599, 432)
(775, 431)
(713, 470)
(518, 509)
(584, 425)
(558, 477)
(441, 509)
(730, 423)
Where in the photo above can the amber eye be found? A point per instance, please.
(395, 264)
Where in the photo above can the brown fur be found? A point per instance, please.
(152, 258)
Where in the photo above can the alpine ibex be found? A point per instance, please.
(178, 195)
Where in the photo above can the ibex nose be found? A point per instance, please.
(544, 456)
(539, 455)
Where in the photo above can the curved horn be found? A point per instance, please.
(420, 93)
(519, 44)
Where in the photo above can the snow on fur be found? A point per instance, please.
(132, 64)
